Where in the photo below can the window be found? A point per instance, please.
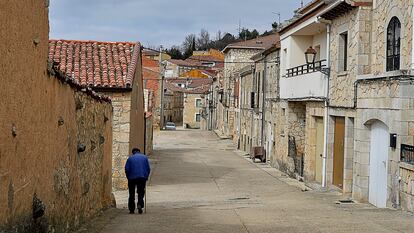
(252, 100)
(393, 44)
(198, 117)
(199, 104)
(343, 52)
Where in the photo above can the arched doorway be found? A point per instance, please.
(378, 164)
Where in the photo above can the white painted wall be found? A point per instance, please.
(296, 47)
(303, 86)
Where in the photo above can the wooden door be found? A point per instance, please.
(338, 157)
(319, 149)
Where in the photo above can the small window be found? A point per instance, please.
(343, 52)
(252, 100)
(198, 117)
(393, 44)
(199, 104)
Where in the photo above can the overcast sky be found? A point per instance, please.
(155, 22)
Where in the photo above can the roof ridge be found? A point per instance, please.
(96, 41)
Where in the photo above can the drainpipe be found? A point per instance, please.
(326, 114)
(412, 49)
(240, 108)
(263, 101)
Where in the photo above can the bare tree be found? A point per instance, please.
(203, 41)
(218, 35)
(188, 42)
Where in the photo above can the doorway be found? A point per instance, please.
(378, 165)
(338, 156)
(319, 149)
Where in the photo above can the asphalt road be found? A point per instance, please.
(202, 184)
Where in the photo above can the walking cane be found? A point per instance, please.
(146, 203)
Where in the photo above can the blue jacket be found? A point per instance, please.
(137, 166)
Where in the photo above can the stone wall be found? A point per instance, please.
(149, 134)
(383, 12)
(407, 186)
(392, 103)
(357, 23)
(121, 103)
(234, 59)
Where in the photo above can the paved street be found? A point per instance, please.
(201, 184)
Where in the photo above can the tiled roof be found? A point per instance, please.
(262, 42)
(96, 64)
(180, 62)
(53, 70)
(146, 62)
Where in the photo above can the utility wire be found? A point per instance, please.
(217, 61)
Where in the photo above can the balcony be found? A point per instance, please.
(304, 82)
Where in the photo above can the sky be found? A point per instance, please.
(161, 22)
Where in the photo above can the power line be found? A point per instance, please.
(216, 61)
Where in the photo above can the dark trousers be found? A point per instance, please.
(139, 185)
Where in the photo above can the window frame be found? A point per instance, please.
(393, 45)
(199, 119)
(201, 103)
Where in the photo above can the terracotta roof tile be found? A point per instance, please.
(96, 64)
(263, 42)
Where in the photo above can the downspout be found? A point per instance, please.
(240, 108)
(412, 49)
(263, 102)
(253, 72)
(145, 133)
(326, 109)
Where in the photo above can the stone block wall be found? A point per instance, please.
(357, 23)
(391, 102)
(233, 59)
(383, 11)
(407, 186)
(121, 103)
(149, 136)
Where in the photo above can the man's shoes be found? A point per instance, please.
(131, 212)
(139, 209)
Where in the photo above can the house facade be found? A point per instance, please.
(384, 109)
(118, 76)
(237, 56)
(303, 92)
(357, 136)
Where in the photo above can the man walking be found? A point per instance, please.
(137, 170)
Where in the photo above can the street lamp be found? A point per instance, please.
(310, 55)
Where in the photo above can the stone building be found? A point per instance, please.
(249, 132)
(194, 105)
(303, 94)
(113, 68)
(237, 56)
(266, 78)
(360, 121)
(55, 136)
(383, 99)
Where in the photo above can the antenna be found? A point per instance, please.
(278, 14)
(239, 26)
(301, 3)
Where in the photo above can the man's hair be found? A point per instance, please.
(135, 150)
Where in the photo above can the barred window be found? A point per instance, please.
(393, 44)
